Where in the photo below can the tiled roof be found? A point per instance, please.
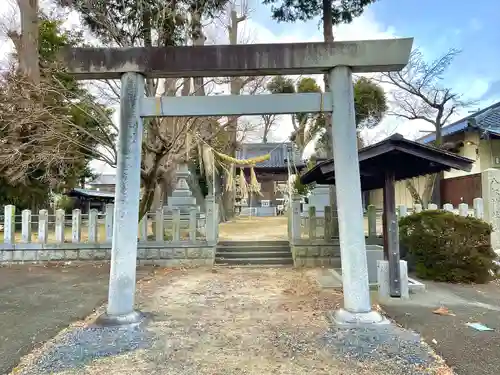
(93, 193)
(104, 179)
(280, 153)
(486, 120)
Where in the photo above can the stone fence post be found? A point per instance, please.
(295, 218)
(211, 219)
(490, 185)
(110, 211)
(9, 224)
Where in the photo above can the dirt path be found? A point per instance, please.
(234, 321)
(255, 228)
(220, 322)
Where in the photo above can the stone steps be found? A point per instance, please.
(253, 253)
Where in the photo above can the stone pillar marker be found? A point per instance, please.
(478, 208)
(60, 225)
(448, 207)
(26, 226)
(490, 184)
(108, 221)
(211, 219)
(76, 226)
(295, 218)
(43, 226)
(463, 209)
(93, 226)
(357, 307)
(9, 226)
(122, 276)
(372, 221)
(159, 225)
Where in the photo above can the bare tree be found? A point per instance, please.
(38, 135)
(419, 94)
(49, 128)
(268, 123)
(166, 141)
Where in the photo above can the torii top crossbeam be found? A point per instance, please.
(238, 60)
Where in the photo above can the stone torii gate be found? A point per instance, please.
(339, 59)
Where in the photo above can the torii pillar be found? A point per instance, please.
(340, 59)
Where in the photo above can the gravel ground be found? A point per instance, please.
(235, 321)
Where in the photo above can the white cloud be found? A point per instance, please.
(253, 30)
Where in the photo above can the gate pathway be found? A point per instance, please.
(274, 228)
(225, 321)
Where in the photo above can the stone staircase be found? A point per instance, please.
(253, 254)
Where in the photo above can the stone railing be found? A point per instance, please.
(310, 245)
(164, 237)
(374, 215)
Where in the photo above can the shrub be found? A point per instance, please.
(447, 247)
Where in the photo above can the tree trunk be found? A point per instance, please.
(27, 42)
(236, 86)
(328, 38)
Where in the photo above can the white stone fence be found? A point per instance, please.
(373, 216)
(169, 227)
(314, 227)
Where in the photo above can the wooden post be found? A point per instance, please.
(391, 235)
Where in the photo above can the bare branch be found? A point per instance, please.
(419, 93)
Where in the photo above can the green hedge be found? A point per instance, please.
(447, 247)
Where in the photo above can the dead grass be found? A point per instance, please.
(255, 229)
(233, 321)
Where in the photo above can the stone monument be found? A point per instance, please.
(182, 197)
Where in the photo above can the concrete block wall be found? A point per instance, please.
(315, 254)
(159, 254)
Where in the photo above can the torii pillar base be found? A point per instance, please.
(344, 318)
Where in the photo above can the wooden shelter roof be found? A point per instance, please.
(406, 158)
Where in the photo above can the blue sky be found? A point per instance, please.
(437, 25)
